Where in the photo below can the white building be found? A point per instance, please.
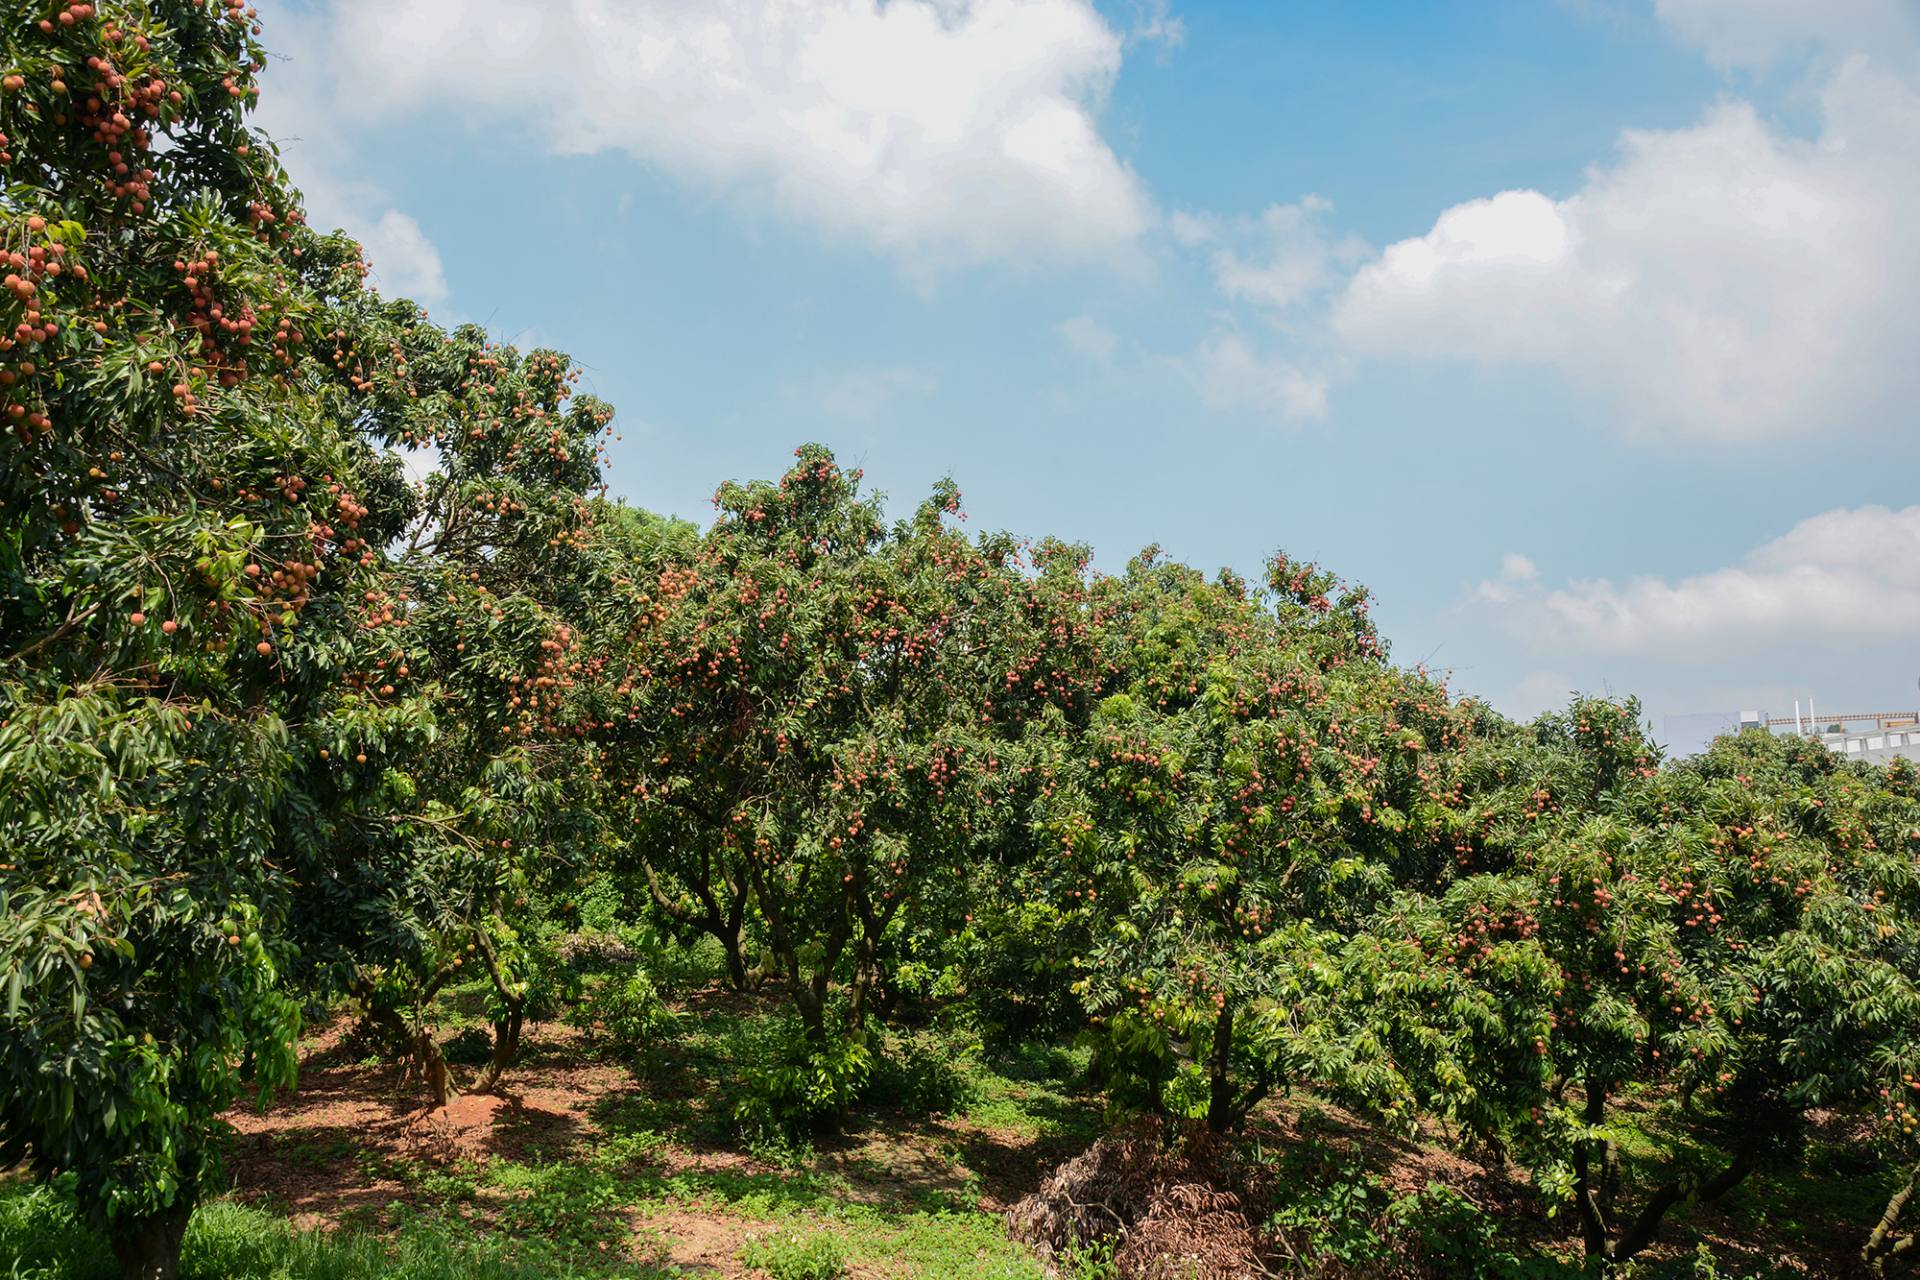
(1892, 733)
(1877, 746)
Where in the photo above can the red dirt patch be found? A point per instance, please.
(463, 1129)
(700, 1243)
(321, 1150)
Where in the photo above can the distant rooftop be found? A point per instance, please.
(1872, 736)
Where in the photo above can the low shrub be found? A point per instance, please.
(626, 1011)
(794, 1087)
(923, 1074)
(796, 1255)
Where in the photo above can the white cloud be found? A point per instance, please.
(1533, 693)
(942, 131)
(1267, 269)
(1723, 281)
(1280, 259)
(1757, 34)
(862, 395)
(1517, 578)
(404, 260)
(1088, 337)
(1850, 575)
(320, 157)
(1192, 228)
(1230, 375)
(1155, 23)
(405, 263)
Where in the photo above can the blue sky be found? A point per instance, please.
(1580, 332)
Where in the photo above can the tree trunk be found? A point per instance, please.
(506, 1047)
(425, 1050)
(736, 940)
(506, 1031)
(1594, 1229)
(866, 974)
(1609, 1178)
(728, 928)
(811, 998)
(433, 1067)
(1220, 1108)
(149, 1248)
(1646, 1228)
(735, 946)
(1596, 1177)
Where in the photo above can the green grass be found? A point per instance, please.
(1034, 1091)
(586, 1205)
(875, 1200)
(897, 1192)
(42, 1240)
(894, 1193)
(796, 1255)
(583, 1209)
(691, 1081)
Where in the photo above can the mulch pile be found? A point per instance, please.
(1167, 1204)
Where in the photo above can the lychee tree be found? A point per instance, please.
(1567, 860)
(186, 513)
(1259, 785)
(270, 716)
(476, 636)
(1715, 928)
(1836, 1017)
(800, 735)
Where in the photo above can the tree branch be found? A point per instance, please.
(674, 910)
(1883, 1244)
(1647, 1226)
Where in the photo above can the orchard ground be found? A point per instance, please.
(597, 1162)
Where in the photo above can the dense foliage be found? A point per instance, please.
(253, 749)
(280, 726)
(187, 504)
